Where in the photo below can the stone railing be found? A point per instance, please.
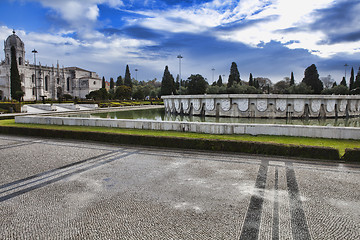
(264, 105)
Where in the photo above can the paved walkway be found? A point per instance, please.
(57, 189)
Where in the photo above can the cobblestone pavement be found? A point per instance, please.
(59, 189)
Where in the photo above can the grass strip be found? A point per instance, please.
(339, 144)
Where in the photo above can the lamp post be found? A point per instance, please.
(179, 57)
(213, 71)
(35, 52)
(136, 70)
(346, 65)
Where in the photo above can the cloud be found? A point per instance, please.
(257, 22)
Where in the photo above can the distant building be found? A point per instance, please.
(52, 82)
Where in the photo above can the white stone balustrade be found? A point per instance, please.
(264, 105)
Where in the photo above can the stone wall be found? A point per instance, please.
(200, 127)
(264, 105)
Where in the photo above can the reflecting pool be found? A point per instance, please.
(160, 115)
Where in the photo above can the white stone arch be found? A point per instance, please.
(330, 105)
(281, 105)
(299, 105)
(177, 104)
(242, 103)
(261, 105)
(225, 104)
(185, 103)
(315, 105)
(196, 104)
(343, 104)
(210, 104)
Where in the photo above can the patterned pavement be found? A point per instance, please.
(59, 189)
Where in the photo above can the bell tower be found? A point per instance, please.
(13, 41)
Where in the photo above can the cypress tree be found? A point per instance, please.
(167, 83)
(292, 79)
(127, 81)
(251, 80)
(357, 80)
(15, 77)
(343, 82)
(352, 79)
(103, 83)
(234, 76)
(119, 81)
(112, 83)
(334, 84)
(197, 84)
(256, 84)
(219, 81)
(311, 78)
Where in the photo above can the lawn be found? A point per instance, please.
(339, 144)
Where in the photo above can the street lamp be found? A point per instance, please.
(136, 70)
(35, 52)
(179, 57)
(213, 71)
(345, 69)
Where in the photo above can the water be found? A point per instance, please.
(160, 115)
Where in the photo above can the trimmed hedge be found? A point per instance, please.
(7, 105)
(351, 155)
(184, 143)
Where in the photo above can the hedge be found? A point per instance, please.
(325, 153)
(351, 155)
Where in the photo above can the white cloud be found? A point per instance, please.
(280, 15)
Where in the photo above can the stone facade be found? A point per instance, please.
(51, 82)
(264, 105)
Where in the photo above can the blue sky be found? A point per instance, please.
(268, 38)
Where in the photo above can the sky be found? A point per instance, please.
(268, 38)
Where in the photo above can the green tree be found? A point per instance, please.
(338, 90)
(103, 83)
(197, 84)
(177, 83)
(167, 83)
(357, 80)
(311, 78)
(352, 79)
(138, 94)
(301, 88)
(219, 82)
(15, 77)
(237, 88)
(234, 76)
(123, 92)
(100, 94)
(127, 81)
(334, 84)
(343, 82)
(119, 81)
(251, 80)
(112, 83)
(281, 87)
(292, 79)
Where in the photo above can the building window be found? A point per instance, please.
(68, 84)
(47, 83)
(33, 78)
(20, 60)
(33, 91)
(94, 82)
(22, 78)
(58, 80)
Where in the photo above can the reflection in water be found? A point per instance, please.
(160, 115)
